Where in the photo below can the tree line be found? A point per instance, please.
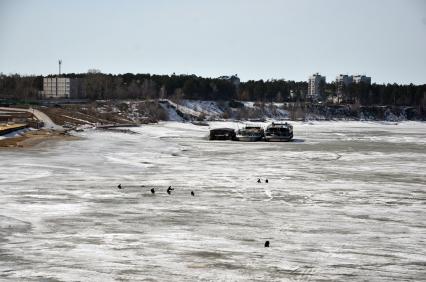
(146, 86)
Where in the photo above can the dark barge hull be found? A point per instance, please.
(222, 134)
(277, 138)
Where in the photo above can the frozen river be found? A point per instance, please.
(345, 202)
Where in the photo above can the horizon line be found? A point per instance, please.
(201, 76)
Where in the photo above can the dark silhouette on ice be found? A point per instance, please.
(152, 191)
(267, 244)
(258, 180)
(266, 181)
(119, 186)
(169, 190)
(192, 193)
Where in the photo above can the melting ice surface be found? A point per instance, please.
(345, 201)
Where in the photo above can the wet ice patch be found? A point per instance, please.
(10, 174)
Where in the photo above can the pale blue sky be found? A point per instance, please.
(260, 39)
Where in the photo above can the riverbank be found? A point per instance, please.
(33, 138)
(6, 128)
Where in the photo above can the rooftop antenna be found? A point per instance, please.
(60, 63)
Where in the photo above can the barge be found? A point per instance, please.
(279, 132)
(222, 134)
(250, 133)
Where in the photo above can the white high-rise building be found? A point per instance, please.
(315, 86)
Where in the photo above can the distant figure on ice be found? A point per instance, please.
(152, 191)
(267, 244)
(266, 181)
(119, 186)
(169, 190)
(192, 193)
(258, 180)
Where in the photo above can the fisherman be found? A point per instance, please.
(267, 244)
(258, 180)
(169, 190)
(192, 193)
(119, 186)
(152, 191)
(266, 181)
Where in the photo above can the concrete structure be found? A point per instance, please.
(39, 115)
(315, 85)
(342, 81)
(8, 128)
(362, 78)
(14, 117)
(61, 87)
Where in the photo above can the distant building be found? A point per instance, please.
(342, 82)
(362, 79)
(344, 79)
(61, 88)
(315, 86)
(93, 71)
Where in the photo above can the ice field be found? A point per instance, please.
(346, 201)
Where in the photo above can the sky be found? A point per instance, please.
(256, 39)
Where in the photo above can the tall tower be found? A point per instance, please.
(316, 84)
(60, 63)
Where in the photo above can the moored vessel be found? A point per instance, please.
(222, 134)
(279, 132)
(250, 133)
